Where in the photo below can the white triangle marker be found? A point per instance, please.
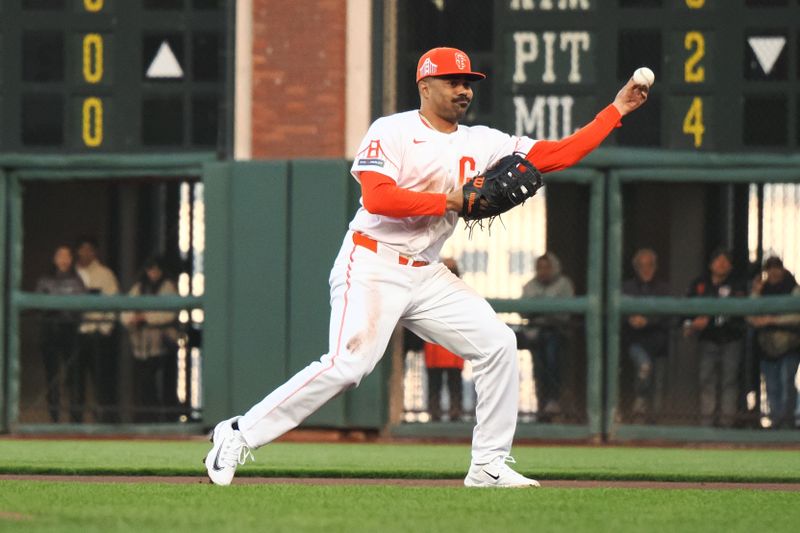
(767, 50)
(165, 64)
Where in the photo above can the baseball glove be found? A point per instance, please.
(508, 183)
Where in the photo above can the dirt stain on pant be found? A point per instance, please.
(355, 342)
(361, 341)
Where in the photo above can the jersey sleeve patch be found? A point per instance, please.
(370, 162)
(379, 150)
(372, 155)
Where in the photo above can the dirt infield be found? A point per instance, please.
(555, 483)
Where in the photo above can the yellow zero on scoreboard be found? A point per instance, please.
(92, 121)
(92, 108)
(92, 58)
(93, 6)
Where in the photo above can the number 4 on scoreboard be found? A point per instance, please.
(693, 121)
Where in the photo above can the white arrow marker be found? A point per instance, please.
(165, 64)
(767, 50)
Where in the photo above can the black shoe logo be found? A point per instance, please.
(491, 476)
(216, 466)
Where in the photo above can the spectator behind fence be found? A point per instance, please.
(720, 346)
(58, 335)
(97, 353)
(778, 341)
(544, 334)
(441, 363)
(154, 337)
(647, 338)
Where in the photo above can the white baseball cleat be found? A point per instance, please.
(497, 473)
(229, 451)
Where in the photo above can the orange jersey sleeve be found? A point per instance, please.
(549, 156)
(382, 196)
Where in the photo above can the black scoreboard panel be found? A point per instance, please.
(112, 75)
(727, 71)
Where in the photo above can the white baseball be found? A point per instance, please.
(644, 76)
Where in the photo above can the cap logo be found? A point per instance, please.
(428, 68)
(461, 61)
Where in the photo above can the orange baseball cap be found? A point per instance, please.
(444, 62)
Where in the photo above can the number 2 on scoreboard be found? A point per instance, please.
(693, 71)
(693, 121)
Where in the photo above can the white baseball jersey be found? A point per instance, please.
(374, 287)
(372, 290)
(406, 149)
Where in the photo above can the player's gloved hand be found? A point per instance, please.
(511, 181)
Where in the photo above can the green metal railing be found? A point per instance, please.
(619, 305)
(267, 262)
(15, 170)
(590, 306)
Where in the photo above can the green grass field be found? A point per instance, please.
(64, 506)
(399, 460)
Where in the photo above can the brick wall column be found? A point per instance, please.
(298, 107)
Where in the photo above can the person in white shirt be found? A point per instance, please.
(96, 350)
(154, 342)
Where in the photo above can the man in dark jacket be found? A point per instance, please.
(720, 345)
(58, 336)
(647, 338)
(778, 342)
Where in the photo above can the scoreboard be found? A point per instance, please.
(727, 71)
(89, 76)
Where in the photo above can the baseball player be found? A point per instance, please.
(411, 167)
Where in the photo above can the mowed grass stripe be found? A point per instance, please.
(65, 507)
(413, 461)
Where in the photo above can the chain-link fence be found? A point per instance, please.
(552, 379)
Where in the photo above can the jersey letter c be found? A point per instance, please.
(467, 164)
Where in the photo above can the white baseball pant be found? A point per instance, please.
(370, 293)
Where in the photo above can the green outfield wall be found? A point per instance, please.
(272, 231)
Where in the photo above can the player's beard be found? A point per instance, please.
(460, 110)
